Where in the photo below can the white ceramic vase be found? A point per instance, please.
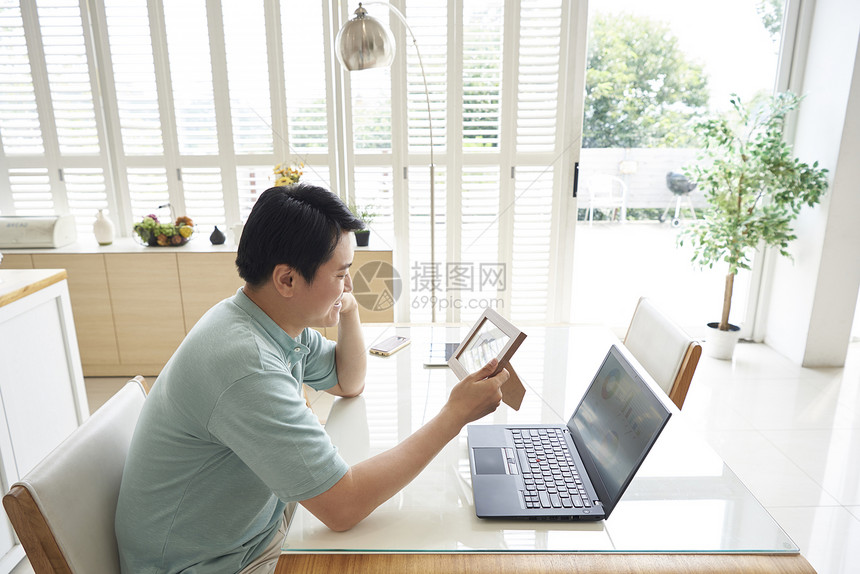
(103, 229)
(721, 344)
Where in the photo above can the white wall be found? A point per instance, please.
(812, 299)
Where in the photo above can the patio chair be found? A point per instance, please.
(605, 191)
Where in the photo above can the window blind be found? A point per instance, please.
(70, 84)
(20, 130)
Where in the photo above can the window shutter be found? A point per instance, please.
(371, 111)
(191, 76)
(31, 191)
(374, 189)
(424, 296)
(483, 35)
(304, 77)
(317, 175)
(134, 77)
(252, 180)
(204, 202)
(147, 190)
(68, 76)
(429, 23)
(19, 117)
(537, 97)
(86, 193)
(248, 76)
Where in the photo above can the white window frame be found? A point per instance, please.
(340, 158)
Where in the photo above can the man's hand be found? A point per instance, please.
(478, 394)
(348, 304)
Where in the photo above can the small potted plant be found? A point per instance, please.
(367, 214)
(755, 188)
(156, 234)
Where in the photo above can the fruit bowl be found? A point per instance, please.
(151, 232)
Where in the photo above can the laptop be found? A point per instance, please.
(577, 471)
(439, 354)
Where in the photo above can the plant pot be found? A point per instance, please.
(362, 238)
(721, 344)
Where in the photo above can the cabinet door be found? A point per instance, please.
(16, 261)
(206, 278)
(373, 284)
(91, 305)
(147, 307)
(39, 375)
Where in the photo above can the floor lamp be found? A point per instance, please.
(363, 43)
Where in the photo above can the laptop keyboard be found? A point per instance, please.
(549, 473)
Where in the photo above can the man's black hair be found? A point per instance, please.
(298, 225)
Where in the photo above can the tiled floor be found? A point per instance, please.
(791, 434)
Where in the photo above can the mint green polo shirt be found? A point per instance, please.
(224, 441)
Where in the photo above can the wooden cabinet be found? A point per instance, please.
(133, 305)
(147, 308)
(16, 261)
(91, 297)
(205, 279)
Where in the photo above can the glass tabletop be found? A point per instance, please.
(683, 498)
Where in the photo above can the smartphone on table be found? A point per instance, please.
(389, 346)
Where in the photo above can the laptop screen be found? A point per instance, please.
(615, 425)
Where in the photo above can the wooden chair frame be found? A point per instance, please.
(32, 528)
(681, 385)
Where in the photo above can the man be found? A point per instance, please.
(225, 439)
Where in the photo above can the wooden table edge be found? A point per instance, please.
(542, 563)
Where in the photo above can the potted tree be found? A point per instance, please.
(755, 189)
(367, 214)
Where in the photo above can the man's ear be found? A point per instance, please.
(284, 279)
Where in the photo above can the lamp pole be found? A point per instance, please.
(361, 63)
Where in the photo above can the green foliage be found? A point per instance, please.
(770, 12)
(755, 188)
(641, 90)
(366, 213)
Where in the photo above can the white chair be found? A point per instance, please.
(668, 354)
(63, 510)
(606, 192)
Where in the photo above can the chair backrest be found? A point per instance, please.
(668, 354)
(606, 190)
(63, 510)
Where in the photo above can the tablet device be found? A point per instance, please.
(491, 336)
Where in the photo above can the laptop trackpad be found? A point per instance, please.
(489, 461)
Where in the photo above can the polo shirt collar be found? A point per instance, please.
(293, 348)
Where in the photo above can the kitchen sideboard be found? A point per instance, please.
(133, 305)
